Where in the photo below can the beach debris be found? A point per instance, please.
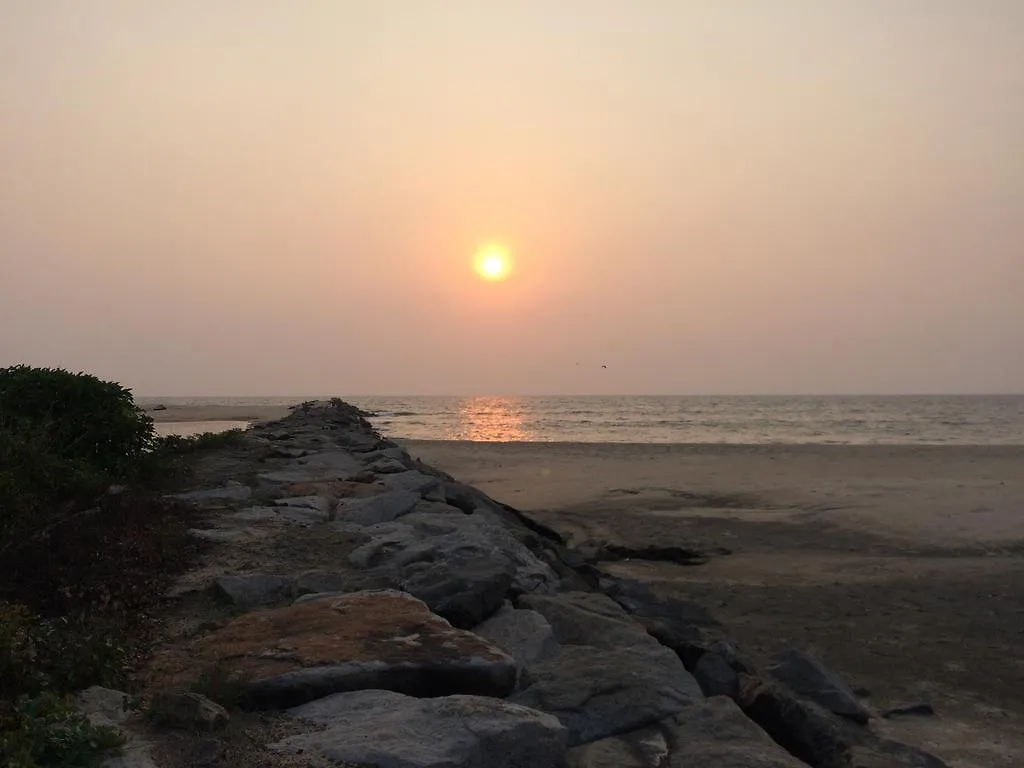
(382, 728)
(922, 709)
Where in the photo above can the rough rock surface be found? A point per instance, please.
(380, 729)
(600, 692)
(802, 728)
(378, 639)
(524, 635)
(227, 493)
(715, 676)
(460, 565)
(377, 509)
(809, 677)
(588, 618)
(254, 589)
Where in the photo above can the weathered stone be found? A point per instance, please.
(325, 581)
(587, 618)
(103, 706)
(374, 510)
(524, 635)
(715, 676)
(716, 734)
(287, 452)
(254, 589)
(461, 565)
(922, 709)
(601, 692)
(809, 677)
(644, 748)
(188, 710)
(227, 493)
(464, 592)
(384, 466)
(380, 729)
(385, 640)
(226, 535)
(297, 515)
(674, 622)
(802, 728)
(428, 487)
(709, 734)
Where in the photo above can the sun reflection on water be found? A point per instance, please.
(490, 419)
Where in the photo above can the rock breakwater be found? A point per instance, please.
(413, 622)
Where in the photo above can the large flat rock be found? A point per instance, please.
(601, 692)
(380, 729)
(379, 639)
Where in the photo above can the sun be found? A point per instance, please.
(492, 262)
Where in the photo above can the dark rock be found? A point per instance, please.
(254, 589)
(601, 692)
(457, 563)
(677, 555)
(803, 729)
(733, 657)
(920, 710)
(716, 733)
(587, 618)
(384, 640)
(465, 592)
(188, 710)
(428, 487)
(676, 623)
(715, 676)
(809, 677)
(644, 748)
(380, 729)
(373, 510)
(209, 752)
(524, 635)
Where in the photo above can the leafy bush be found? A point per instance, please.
(47, 730)
(80, 417)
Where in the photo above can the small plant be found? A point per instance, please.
(47, 730)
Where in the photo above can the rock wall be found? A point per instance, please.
(447, 630)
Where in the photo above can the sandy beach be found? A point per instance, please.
(901, 566)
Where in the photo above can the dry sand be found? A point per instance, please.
(901, 566)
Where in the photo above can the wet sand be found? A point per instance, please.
(900, 566)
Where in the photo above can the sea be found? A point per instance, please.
(839, 420)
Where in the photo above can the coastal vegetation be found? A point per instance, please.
(88, 544)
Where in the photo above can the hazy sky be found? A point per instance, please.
(252, 197)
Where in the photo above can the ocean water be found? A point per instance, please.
(860, 420)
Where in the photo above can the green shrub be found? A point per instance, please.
(79, 417)
(47, 730)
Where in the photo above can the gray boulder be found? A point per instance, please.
(809, 677)
(524, 635)
(428, 487)
(297, 515)
(711, 734)
(644, 748)
(373, 510)
(716, 734)
(601, 692)
(462, 566)
(381, 729)
(254, 589)
(587, 618)
(715, 676)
